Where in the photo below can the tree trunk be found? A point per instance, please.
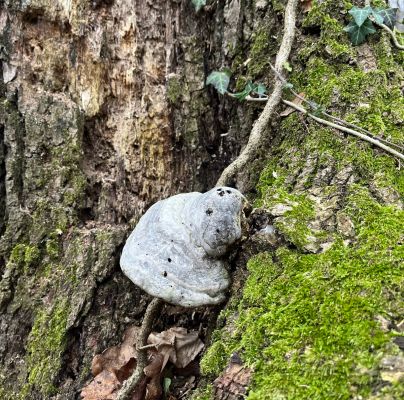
(104, 111)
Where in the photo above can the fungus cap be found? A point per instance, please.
(174, 251)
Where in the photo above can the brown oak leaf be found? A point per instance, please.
(177, 345)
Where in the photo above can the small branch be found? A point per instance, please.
(392, 34)
(258, 130)
(130, 384)
(347, 130)
(336, 119)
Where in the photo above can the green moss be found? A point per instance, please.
(52, 247)
(174, 89)
(307, 323)
(294, 222)
(260, 52)
(46, 344)
(205, 393)
(25, 256)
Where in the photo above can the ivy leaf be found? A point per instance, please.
(219, 80)
(378, 16)
(260, 90)
(249, 87)
(287, 86)
(357, 33)
(318, 109)
(360, 15)
(388, 16)
(198, 4)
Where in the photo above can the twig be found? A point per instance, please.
(387, 29)
(260, 125)
(339, 120)
(392, 34)
(148, 346)
(152, 310)
(347, 130)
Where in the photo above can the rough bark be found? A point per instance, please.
(103, 111)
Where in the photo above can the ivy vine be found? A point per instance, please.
(363, 21)
(220, 81)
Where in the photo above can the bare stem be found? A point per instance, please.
(392, 34)
(347, 130)
(152, 310)
(258, 130)
(336, 119)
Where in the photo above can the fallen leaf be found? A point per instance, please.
(177, 345)
(116, 359)
(112, 367)
(102, 387)
(232, 384)
(307, 5)
(154, 390)
(289, 110)
(116, 364)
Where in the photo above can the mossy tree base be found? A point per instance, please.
(320, 317)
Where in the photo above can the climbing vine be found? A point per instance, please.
(362, 24)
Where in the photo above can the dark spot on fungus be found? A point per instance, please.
(221, 194)
(219, 189)
(169, 259)
(165, 273)
(228, 191)
(218, 230)
(209, 211)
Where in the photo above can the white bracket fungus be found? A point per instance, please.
(174, 251)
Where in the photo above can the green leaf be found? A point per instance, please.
(318, 109)
(249, 87)
(287, 66)
(360, 15)
(260, 90)
(287, 86)
(388, 16)
(166, 385)
(377, 16)
(219, 80)
(357, 33)
(198, 4)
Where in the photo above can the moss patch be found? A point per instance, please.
(307, 323)
(45, 347)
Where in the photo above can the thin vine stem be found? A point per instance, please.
(258, 130)
(347, 130)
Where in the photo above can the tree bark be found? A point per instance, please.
(104, 111)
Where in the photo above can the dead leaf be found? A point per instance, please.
(177, 345)
(232, 384)
(117, 363)
(289, 110)
(118, 359)
(102, 387)
(112, 367)
(306, 5)
(154, 389)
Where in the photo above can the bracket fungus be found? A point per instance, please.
(174, 251)
(175, 254)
